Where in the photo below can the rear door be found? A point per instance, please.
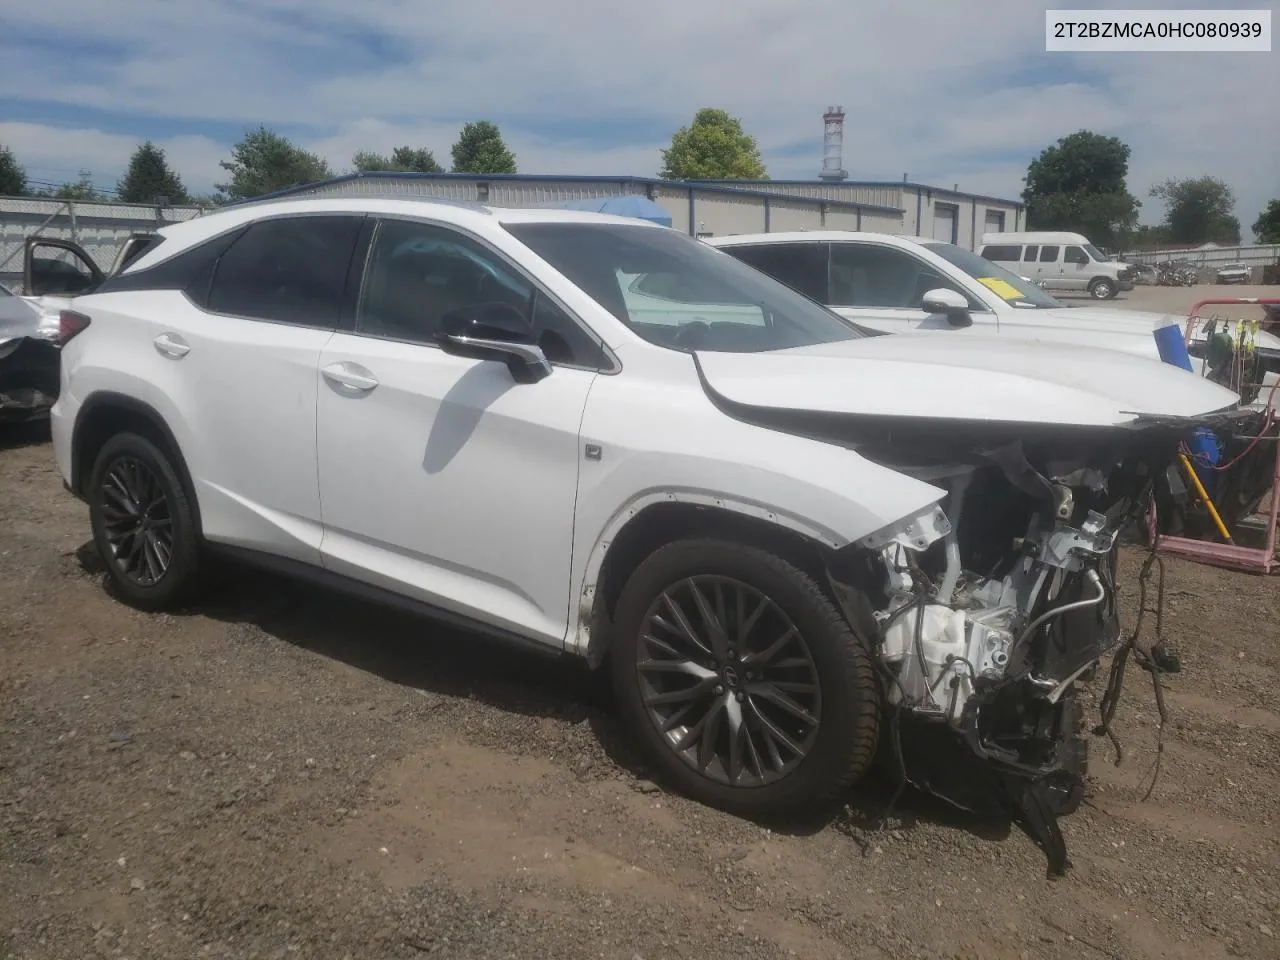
(1050, 266)
(232, 364)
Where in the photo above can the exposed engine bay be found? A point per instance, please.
(992, 612)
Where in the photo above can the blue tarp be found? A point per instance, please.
(627, 205)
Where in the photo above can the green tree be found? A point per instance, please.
(264, 161)
(480, 149)
(149, 177)
(1198, 210)
(1078, 184)
(82, 189)
(713, 147)
(13, 179)
(402, 160)
(1267, 227)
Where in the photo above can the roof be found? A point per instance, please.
(910, 184)
(627, 205)
(706, 186)
(474, 215)
(815, 236)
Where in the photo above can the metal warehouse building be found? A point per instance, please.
(718, 208)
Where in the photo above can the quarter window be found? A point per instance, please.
(863, 275)
(287, 270)
(417, 273)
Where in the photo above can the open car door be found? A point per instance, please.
(61, 268)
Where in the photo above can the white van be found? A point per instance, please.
(1066, 262)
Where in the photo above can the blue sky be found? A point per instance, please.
(947, 92)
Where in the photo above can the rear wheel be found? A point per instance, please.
(143, 523)
(743, 681)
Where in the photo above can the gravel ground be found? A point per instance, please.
(282, 773)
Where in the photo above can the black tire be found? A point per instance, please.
(1102, 289)
(842, 743)
(180, 577)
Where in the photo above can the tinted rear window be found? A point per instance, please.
(287, 270)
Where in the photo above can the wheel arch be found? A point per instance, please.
(105, 414)
(642, 527)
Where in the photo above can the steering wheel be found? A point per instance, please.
(691, 334)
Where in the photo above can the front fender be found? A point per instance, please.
(674, 445)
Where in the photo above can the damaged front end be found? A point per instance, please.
(993, 611)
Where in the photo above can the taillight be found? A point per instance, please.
(69, 324)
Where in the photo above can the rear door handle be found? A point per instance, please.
(172, 346)
(351, 376)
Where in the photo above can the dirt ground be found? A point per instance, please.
(283, 773)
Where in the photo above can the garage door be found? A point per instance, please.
(944, 223)
(995, 221)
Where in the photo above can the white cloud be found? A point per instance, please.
(947, 92)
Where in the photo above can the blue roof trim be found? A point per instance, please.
(707, 186)
(871, 183)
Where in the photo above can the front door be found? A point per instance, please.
(883, 287)
(441, 478)
(1076, 269)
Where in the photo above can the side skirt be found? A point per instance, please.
(320, 577)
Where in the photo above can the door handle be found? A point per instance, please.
(172, 346)
(351, 376)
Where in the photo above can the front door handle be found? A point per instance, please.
(350, 376)
(172, 346)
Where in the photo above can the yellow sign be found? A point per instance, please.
(1001, 288)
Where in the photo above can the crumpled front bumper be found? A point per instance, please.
(29, 379)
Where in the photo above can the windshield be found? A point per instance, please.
(1095, 253)
(676, 292)
(1009, 287)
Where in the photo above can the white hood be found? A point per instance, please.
(995, 379)
(1127, 330)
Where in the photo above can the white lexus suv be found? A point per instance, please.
(783, 535)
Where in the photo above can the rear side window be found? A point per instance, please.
(1007, 254)
(801, 266)
(287, 270)
(1030, 254)
(1049, 254)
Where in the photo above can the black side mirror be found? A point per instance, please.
(495, 331)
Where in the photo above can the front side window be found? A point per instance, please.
(418, 272)
(1005, 284)
(866, 275)
(801, 266)
(287, 270)
(1075, 255)
(739, 309)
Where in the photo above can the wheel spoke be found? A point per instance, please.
(766, 656)
(773, 734)
(715, 626)
(711, 725)
(770, 692)
(682, 626)
(680, 696)
(687, 667)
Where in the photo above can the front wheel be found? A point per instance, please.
(743, 681)
(143, 523)
(1102, 289)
